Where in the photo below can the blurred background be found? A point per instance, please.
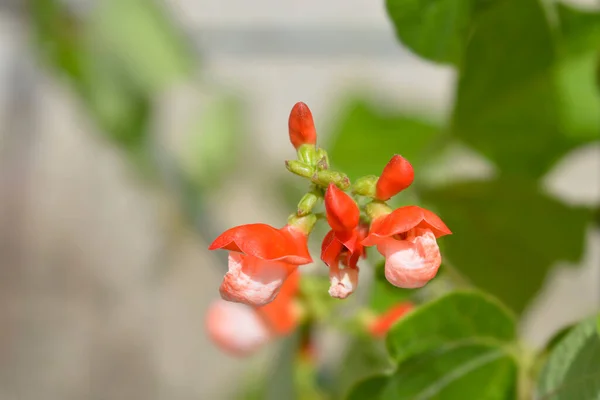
(132, 132)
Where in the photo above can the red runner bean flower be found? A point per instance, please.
(241, 330)
(341, 247)
(260, 260)
(406, 237)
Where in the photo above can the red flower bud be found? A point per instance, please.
(342, 212)
(301, 126)
(382, 324)
(397, 175)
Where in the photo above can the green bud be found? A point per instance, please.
(365, 186)
(376, 209)
(307, 203)
(299, 168)
(305, 223)
(322, 159)
(307, 154)
(325, 177)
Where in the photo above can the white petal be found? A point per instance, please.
(236, 327)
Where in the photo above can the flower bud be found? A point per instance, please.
(301, 126)
(365, 186)
(300, 168)
(397, 175)
(307, 203)
(326, 176)
(342, 212)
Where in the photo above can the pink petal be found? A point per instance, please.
(413, 262)
(253, 281)
(236, 328)
(344, 281)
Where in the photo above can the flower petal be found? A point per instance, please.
(382, 324)
(265, 242)
(402, 220)
(397, 175)
(413, 262)
(282, 314)
(344, 281)
(236, 328)
(301, 126)
(253, 281)
(342, 212)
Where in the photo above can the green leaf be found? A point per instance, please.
(366, 137)
(506, 103)
(579, 29)
(436, 30)
(467, 371)
(507, 234)
(212, 143)
(454, 320)
(364, 357)
(146, 42)
(579, 45)
(371, 388)
(573, 368)
(456, 347)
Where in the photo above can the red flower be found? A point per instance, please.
(241, 330)
(342, 245)
(301, 126)
(260, 259)
(397, 175)
(406, 237)
(382, 324)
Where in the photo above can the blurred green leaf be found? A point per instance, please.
(434, 30)
(364, 357)
(579, 29)
(507, 234)
(453, 320)
(572, 370)
(366, 137)
(119, 109)
(579, 45)
(370, 388)
(212, 143)
(456, 347)
(144, 40)
(506, 103)
(467, 371)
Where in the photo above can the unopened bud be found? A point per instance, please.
(307, 154)
(365, 186)
(325, 177)
(307, 203)
(322, 159)
(301, 126)
(299, 168)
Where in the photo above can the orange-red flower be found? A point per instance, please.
(341, 247)
(301, 126)
(261, 258)
(397, 175)
(380, 326)
(240, 329)
(406, 237)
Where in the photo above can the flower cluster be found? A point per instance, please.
(263, 260)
